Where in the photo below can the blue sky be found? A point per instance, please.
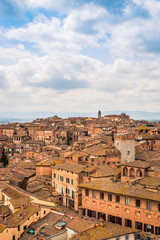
(70, 55)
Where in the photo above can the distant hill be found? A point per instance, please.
(30, 116)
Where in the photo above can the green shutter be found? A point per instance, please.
(72, 194)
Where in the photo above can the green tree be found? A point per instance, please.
(4, 158)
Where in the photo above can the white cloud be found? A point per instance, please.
(57, 75)
(71, 34)
(39, 81)
(62, 6)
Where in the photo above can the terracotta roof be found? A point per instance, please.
(2, 227)
(90, 169)
(16, 203)
(106, 232)
(12, 193)
(135, 190)
(50, 220)
(80, 224)
(101, 150)
(95, 150)
(24, 164)
(104, 171)
(148, 155)
(5, 210)
(51, 161)
(155, 169)
(150, 181)
(72, 167)
(33, 142)
(78, 154)
(21, 215)
(6, 127)
(137, 164)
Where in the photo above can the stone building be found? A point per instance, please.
(66, 178)
(125, 143)
(134, 206)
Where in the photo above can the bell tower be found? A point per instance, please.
(99, 114)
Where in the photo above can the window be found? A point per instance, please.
(117, 198)
(72, 181)
(148, 228)
(94, 194)
(137, 236)
(67, 180)
(119, 220)
(87, 192)
(57, 177)
(109, 197)
(25, 227)
(44, 212)
(157, 230)
(128, 223)
(148, 238)
(127, 237)
(138, 203)
(111, 219)
(61, 178)
(117, 238)
(68, 191)
(125, 171)
(54, 175)
(159, 207)
(128, 152)
(138, 225)
(101, 195)
(36, 213)
(72, 194)
(149, 205)
(127, 200)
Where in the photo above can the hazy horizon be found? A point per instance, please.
(13, 116)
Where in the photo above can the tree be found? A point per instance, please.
(4, 158)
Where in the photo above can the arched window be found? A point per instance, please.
(139, 173)
(132, 172)
(125, 171)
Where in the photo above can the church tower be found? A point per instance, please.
(99, 114)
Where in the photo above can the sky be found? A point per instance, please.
(79, 56)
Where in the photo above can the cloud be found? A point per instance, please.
(93, 26)
(11, 55)
(61, 6)
(88, 58)
(62, 84)
(3, 83)
(80, 28)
